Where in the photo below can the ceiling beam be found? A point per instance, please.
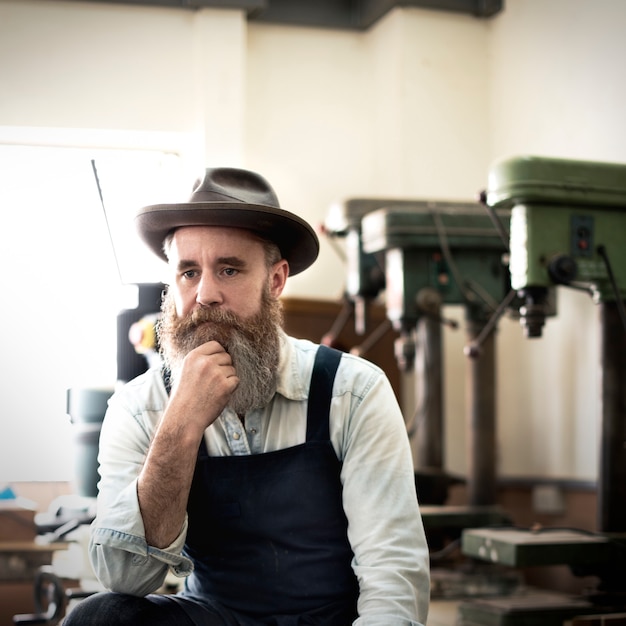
(340, 14)
(373, 10)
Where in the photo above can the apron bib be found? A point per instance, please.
(267, 532)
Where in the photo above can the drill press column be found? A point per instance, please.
(612, 471)
(481, 417)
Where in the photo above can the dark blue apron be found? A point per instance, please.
(267, 532)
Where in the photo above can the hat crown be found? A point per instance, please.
(234, 185)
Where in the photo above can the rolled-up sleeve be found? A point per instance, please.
(120, 556)
(385, 527)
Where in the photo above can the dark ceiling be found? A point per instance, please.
(341, 14)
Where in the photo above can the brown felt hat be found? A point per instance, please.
(234, 198)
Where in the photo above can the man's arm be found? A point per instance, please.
(385, 527)
(205, 384)
(145, 478)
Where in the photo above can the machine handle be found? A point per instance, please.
(473, 349)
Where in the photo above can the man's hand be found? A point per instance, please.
(203, 386)
(200, 393)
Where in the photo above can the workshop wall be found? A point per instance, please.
(418, 106)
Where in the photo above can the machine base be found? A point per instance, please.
(526, 607)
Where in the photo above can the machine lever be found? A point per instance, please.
(346, 312)
(482, 198)
(377, 334)
(473, 349)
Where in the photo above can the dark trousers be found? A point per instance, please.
(118, 609)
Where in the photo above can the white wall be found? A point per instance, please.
(91, 66)
(557, 79)
(418, 106)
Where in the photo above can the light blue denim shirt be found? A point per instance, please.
(369, 436)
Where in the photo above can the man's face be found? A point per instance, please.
(223, 291)
(221, 268)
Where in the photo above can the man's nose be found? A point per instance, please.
(208, 293)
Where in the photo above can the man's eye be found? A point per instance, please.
(190, 274)
(230, 271)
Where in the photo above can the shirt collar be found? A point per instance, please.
(294, 370)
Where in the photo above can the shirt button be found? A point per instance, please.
(253, 431)
(236, 435)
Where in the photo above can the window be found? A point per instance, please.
(67, 270)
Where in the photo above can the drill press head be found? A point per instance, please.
(567, 218)
(365, 277)
(436, 253)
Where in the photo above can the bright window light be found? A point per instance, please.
(63, 284)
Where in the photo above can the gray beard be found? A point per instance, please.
(253, 346)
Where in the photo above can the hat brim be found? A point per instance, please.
(296, 240)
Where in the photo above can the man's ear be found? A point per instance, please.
(278, 277)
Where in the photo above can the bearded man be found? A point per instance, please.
(253, 345)
(273, 474)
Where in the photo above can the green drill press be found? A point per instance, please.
(567, 228)
(436, 254)
(414, 249)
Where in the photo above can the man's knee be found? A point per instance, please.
(108, 609)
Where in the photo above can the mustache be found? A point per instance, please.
(203, 315)
(203, 324)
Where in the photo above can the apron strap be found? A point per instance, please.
(320, 393)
